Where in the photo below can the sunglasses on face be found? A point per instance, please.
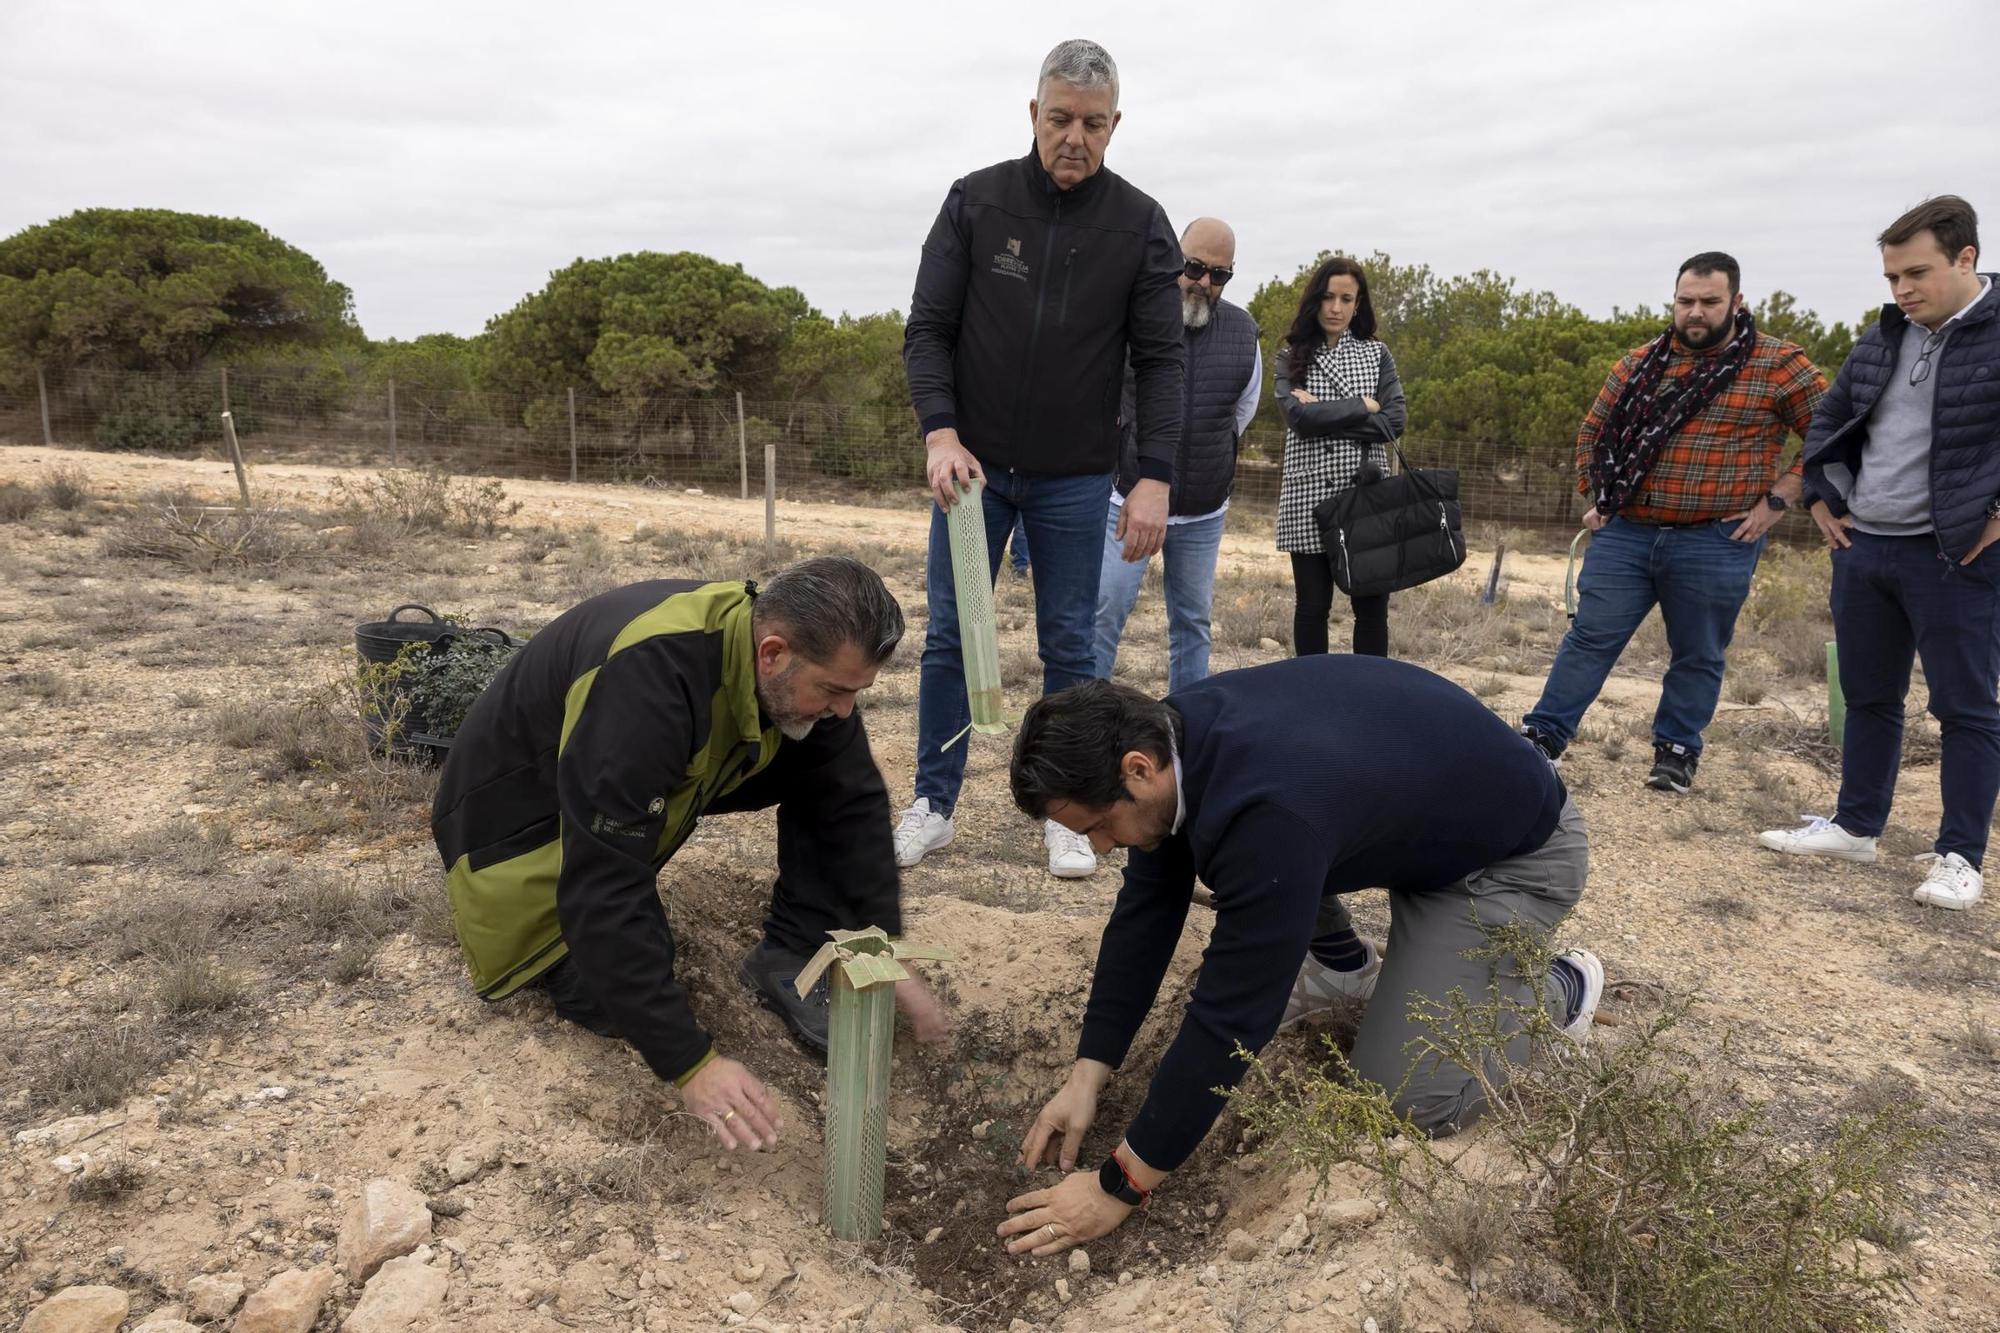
(1195, 271)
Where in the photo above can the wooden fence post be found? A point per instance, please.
(395, 456)
(742, 451)
(770, 500)
(42, 390)
(572, 434)
(236, 458)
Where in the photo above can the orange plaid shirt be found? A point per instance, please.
(1725, 459)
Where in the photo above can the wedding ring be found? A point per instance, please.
(728, 1116)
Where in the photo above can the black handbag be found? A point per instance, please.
(1387, 533)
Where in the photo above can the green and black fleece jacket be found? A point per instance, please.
(583, 768)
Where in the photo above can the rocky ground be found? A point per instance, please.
(244, 1083)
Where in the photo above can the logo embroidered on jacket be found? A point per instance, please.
(1010, 264)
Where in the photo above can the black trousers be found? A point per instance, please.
(1312, 579)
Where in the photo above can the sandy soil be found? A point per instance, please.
(587, 1202)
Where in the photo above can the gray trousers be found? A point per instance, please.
(1429, 935)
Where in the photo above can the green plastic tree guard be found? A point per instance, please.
(863, 967)
(978, 634)
(1836, 702)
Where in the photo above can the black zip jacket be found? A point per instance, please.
(1028, 300)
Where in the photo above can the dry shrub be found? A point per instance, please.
(96, 1068)
(66, 488)
(106, 1180)
(1247, 609)
(401, 502)
(1669, 1198)
(176, 526)
(17, 502)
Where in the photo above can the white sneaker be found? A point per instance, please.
(1816, 836)
(1320, 987)
(1952, 883)
(1586, 962)
(920, 831)
(1070, 856)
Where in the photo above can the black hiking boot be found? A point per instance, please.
(768, 971)
(1673, 768)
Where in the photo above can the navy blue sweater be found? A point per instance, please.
(1317, 775)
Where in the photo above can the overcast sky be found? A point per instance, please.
(441, 159)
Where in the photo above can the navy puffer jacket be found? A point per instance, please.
(1965, 422)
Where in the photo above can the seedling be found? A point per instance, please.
(862, 968)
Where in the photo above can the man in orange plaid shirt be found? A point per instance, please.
(1680, 458)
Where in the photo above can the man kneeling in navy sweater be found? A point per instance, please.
(1282, 787)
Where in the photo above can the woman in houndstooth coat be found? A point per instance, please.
(1338, 387)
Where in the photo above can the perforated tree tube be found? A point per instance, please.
(862, 968)
(978, 634)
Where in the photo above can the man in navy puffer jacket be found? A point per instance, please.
(1902, 472)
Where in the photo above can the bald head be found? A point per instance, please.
(1208, 242)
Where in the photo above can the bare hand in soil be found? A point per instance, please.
(1053, 1220)
(950, 465)
(928, 1020)
(1069, 1113)
(734, 1104)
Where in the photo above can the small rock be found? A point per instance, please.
(273, 1094)
(288, 1303)
(216, 1296)
(464, 1162)
(930, 1237)
(1062, 1290)
(388, 1219)
(404, 1293)
(1348, 1213)
(57, 1134)
(1269, 644)
(1369, 1325)
(1208, 1276)
(1079, 1261)
(1241, 1246)
(1295, 1236)
(1366, 1288)
(1125, 1278)
(743, 1302)
(167, 1326)
(80, 1310)
(748, 1273)
(979, 1130)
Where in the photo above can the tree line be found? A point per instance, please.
(151, 290)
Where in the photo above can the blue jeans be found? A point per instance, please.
(1017, 551)
(1698, 577)
(1895, 599)
(1063, 517)
(1190, 578)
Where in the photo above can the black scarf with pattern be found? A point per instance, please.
(1648, 412)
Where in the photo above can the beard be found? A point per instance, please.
(1195, 310)
(792, 724)
(1702, 338)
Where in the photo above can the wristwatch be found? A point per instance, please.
(1777, 502)
(1993, 510)
(1111, 1178)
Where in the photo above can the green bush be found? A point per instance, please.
(444, 684)
(166, 415)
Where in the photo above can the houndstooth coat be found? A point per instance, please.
(1324, 440)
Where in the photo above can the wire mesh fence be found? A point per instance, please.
(321, 415)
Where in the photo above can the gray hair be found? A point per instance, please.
(1080, 63)
(828, 602)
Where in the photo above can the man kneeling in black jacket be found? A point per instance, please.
(1282, 787)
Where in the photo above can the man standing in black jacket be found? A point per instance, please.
(1225, 374)
(1283, 787)
(1038, 279)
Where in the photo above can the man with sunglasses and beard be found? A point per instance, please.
(1039, 278)
(1680, 456)
(1902, 468)
(1225, 371)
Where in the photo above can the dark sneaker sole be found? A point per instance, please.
(804, 1036)
(1664, 782)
